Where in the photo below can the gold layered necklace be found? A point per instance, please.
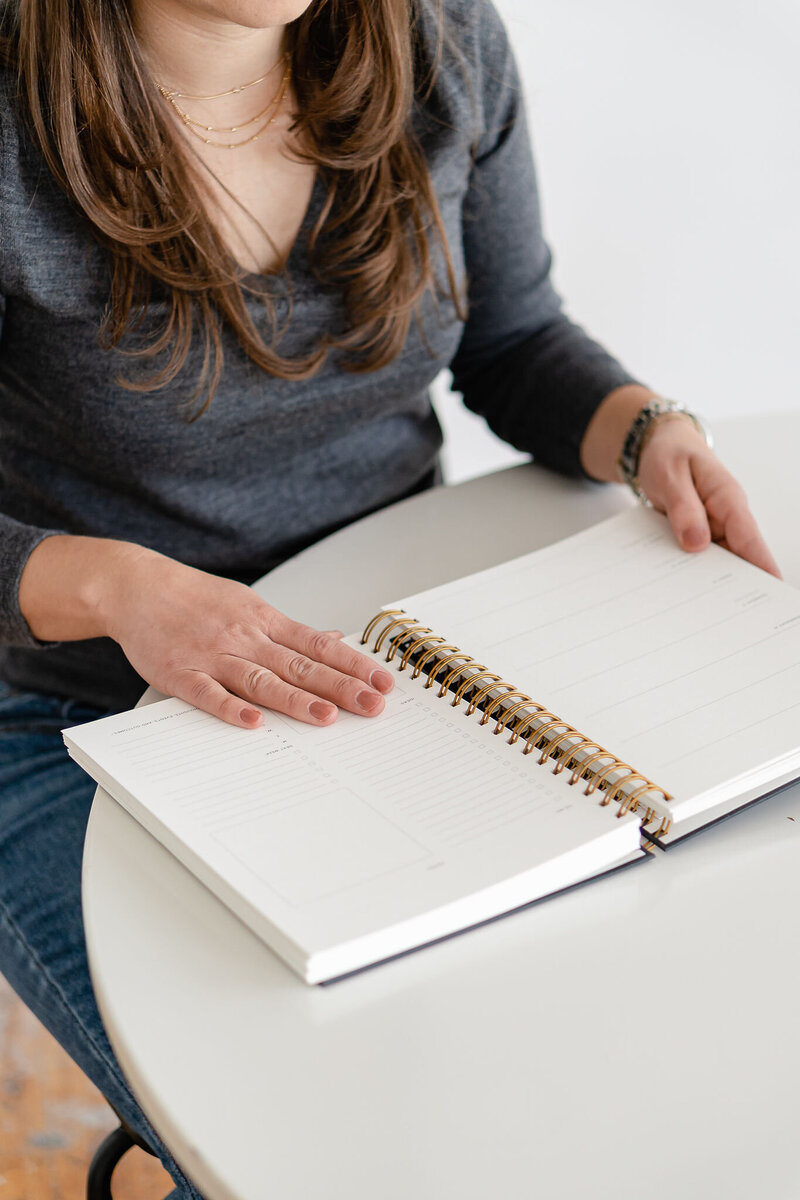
(267, 116)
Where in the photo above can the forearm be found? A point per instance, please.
(541, 393)
(208, 640)
(66, 588)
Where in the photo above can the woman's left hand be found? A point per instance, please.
(683, 478)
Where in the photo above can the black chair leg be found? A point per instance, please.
(107, 1155)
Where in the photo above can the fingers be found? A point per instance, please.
(743, 537)
(260, 686)
(309, 684)
(732, 523)
(299, 686)
(684, 508)
(199, 689)
(322, 648)
(702, 500)
(274, 687)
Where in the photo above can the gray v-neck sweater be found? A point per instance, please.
(273, 465)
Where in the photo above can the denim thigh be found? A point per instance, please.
(45, 800)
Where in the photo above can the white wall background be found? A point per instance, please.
(667, 138)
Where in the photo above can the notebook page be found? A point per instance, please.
(338, 833)
(686, 666)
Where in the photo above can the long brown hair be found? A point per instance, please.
(106, 139)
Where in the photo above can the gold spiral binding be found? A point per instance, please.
(416, 644)
(539, 734)
(524, 722)
(445, 662)
(489, 709)
(484, 692)
(572, 760)
(451, 677)
(600, 779)
(528, 725)
(546, 748)
(509, 713)
(399, 638)
(581, 771)
(467, 684)
(627, 801)
(618, 790)
(428, 656)
(561, 759)
(398, 621)
(437, 643)
(515, 712)
(373, 625)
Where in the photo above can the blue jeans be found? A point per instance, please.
(44, 807)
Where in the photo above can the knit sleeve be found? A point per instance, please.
(17, 539)
(16, 543)
(533, 374)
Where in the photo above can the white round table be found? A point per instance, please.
(635, 1038)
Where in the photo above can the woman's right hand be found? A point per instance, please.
(205, 639)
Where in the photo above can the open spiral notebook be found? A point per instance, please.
(554, 718)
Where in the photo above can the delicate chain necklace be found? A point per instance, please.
(169, 93)
(270, 113)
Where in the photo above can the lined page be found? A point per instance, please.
(337, 833)
(685, 665)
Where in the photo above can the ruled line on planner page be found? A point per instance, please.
(264, 773)
(165, 754)
(558, 562)
(610, 600)
(765, 719)
(571, 581)
(706, 689)
(687, 712)
(636, 658)
(209, 796)
(613, 613)
(294, 858)
(717, 736)
(414, 782)
(267, 804)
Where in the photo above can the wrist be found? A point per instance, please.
(71, 587)
(657, 415)
(661, 422)
(114, 573)
(606, 432)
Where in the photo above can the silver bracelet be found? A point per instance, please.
(628, 462)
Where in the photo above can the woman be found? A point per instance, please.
(239, 240)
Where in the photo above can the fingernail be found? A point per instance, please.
(368, 701)
(250, 716)
(381, 681)
(694, 537)
(321, 711)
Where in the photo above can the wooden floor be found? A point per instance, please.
(52, 1120)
